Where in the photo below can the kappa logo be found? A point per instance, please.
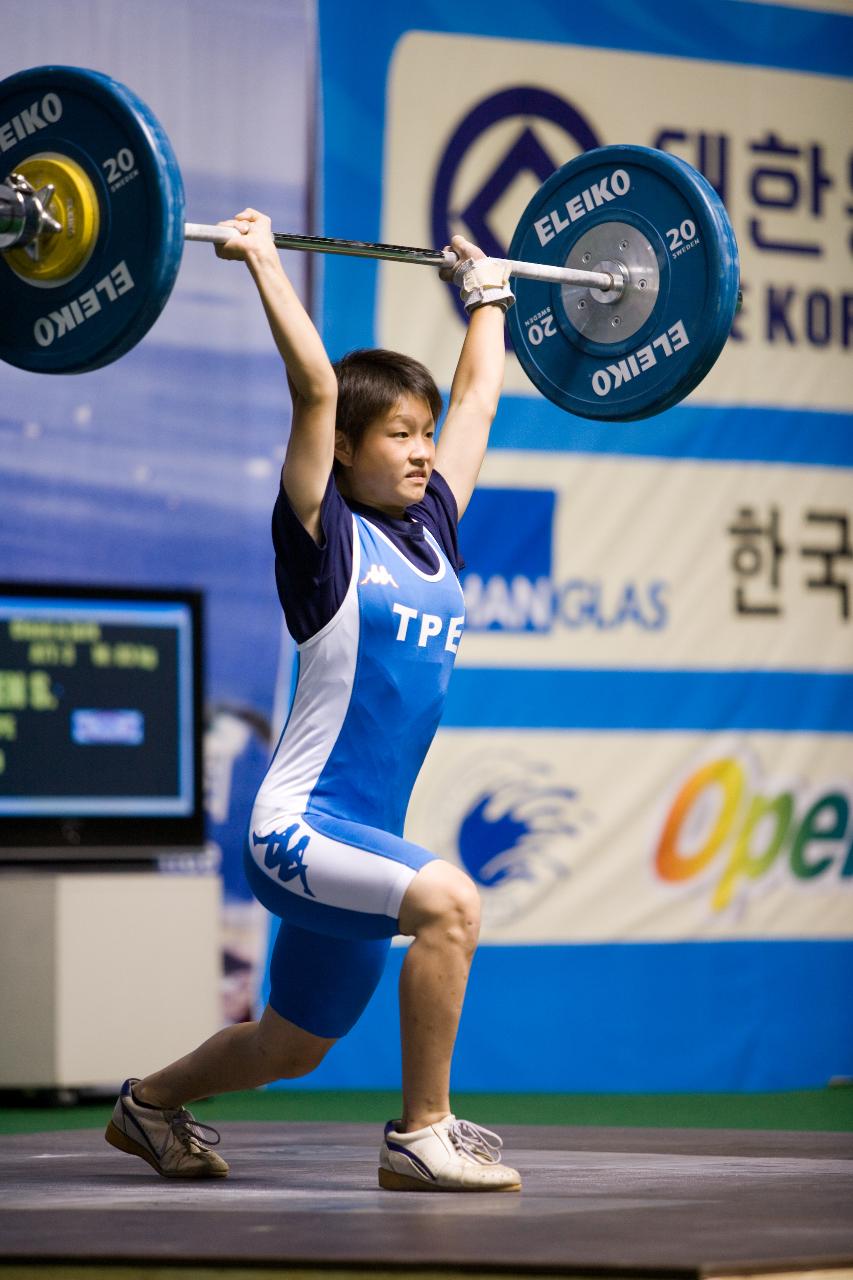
(379, 576)
(286, 857)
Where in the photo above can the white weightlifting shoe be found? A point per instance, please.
(451, 1155)
(172, 1141)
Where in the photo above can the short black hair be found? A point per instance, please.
(370, 383)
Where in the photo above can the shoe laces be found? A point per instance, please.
(191, 1132)
(475, 1142)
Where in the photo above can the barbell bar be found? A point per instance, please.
(439, 259)
(625, 261)
(24, 219)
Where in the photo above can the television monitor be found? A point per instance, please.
(101, 708)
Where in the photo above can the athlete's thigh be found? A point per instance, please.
(331, 875)
(321, 983)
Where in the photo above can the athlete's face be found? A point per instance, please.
(390, 468)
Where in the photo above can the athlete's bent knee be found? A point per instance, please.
(303, 1061)
(292, 1067)
(288, 1051)
(442, 900)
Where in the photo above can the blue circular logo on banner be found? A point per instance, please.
(526, 153)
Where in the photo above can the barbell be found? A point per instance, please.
(626, 265)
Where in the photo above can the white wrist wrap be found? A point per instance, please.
(482, 281)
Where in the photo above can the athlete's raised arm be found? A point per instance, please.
(476, 387)
(310, 450)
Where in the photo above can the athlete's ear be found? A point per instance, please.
(343, 449)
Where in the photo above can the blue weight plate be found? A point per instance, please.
(110, 304)
(686, 254)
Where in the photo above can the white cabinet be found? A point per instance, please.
(104, 975)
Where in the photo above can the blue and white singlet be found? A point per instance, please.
(326, 851)
(370, 689)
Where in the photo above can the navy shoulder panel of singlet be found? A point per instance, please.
(438, 511)
(312, 579)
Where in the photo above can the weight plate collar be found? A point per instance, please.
(625, 252)
(56, 258)
(101, 126)
(680, 225)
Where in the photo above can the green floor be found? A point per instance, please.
(818, 1109)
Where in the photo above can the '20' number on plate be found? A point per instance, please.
(681, 236)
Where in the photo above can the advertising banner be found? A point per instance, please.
(646, 759)
(576, 560)
(577, 837)
(475, 125)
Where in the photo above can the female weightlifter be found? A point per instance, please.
(364, 530)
